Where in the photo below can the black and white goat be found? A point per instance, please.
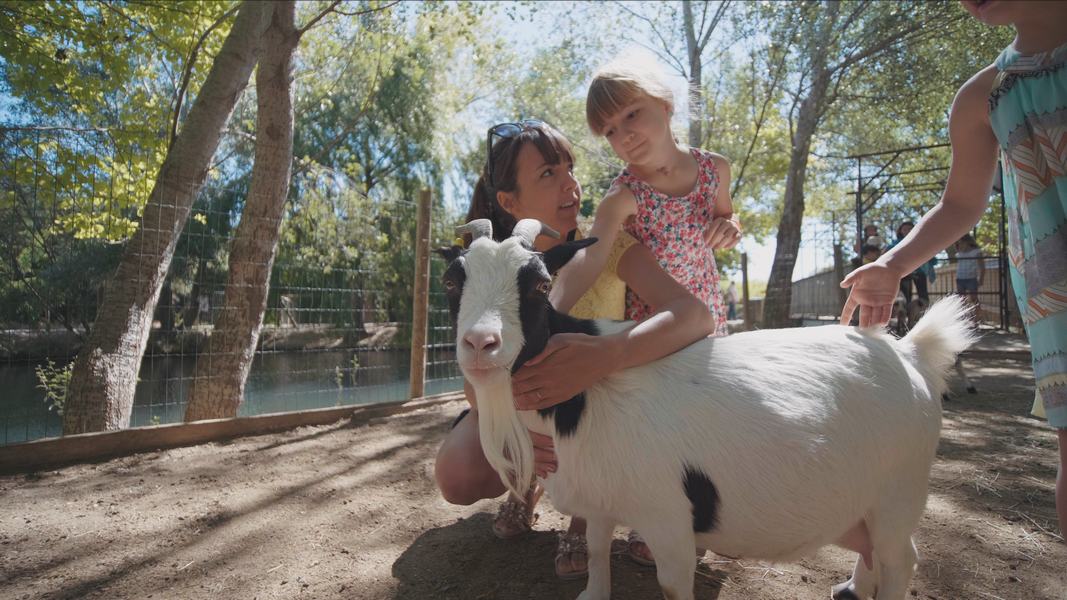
(767, 444)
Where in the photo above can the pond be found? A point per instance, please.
(278, 382)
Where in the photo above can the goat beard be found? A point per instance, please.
(505, 440)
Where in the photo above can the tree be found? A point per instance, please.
(221, 369)
(840, 43)
(105, 371)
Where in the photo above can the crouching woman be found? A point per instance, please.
(529, 174)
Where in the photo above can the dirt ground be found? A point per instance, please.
(352, 512)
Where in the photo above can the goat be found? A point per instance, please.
(767, 444)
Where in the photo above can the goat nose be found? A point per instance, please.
(482, 341)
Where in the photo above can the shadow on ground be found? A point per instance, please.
(439, 564)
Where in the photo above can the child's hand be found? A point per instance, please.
(874, 289)
(723, 234)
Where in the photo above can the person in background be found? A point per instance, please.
(970, 272)
(731, 302)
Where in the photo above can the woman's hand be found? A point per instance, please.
(569, 364)
(874, 289)
(723, 233)
(544, 454)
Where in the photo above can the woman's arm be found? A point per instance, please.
(582, 271)
(572, 362)
(724, 230)
(974, 158)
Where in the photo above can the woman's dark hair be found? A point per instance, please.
(900, 229)
(969, 239)
(554, 149)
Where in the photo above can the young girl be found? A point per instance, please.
(1016, 106)
(970, 272)
(673, 199)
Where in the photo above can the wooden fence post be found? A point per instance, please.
(420, 297)
(744, 292)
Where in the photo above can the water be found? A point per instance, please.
(278, 382)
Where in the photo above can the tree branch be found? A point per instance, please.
(332, 8)
(187, 73)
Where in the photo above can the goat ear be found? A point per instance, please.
(563, 253)
(449, 253)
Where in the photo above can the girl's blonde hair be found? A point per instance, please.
(621, 82)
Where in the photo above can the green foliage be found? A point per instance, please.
(54, 381)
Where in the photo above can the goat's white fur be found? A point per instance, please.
(805, 433)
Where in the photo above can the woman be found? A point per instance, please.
(529, 175)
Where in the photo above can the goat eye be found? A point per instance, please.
(450, 285)
(544, 286)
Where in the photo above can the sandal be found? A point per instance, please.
(570, 546)
(516, 517)
(638, 550)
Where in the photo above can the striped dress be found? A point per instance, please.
(1028, 113)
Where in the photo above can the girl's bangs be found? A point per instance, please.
(606, 98)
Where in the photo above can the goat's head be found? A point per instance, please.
(498, 295)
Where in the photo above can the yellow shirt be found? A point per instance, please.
(606, 299)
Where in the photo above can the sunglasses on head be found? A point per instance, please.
(505, 131)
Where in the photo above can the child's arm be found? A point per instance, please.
(582, 271)
(724, 230)
(974, 159)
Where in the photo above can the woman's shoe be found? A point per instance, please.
(516, 517)
(638, 550)
(572, 556)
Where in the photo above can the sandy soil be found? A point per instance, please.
(352, 512)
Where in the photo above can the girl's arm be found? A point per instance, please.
(572, 362)
(724, 230)
(974, 159)
(582, 271)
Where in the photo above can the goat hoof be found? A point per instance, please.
(843, 591)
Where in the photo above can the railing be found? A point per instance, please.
(338, 326)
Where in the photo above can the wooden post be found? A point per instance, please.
(421, 297)
(839, 276)
(744, 292)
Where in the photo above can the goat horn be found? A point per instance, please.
(529, 229)
(477, 228)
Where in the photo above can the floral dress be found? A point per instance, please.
(673, 227)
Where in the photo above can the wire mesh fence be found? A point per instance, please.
(337, 328)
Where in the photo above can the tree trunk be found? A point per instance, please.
(222, 367)
(776, 307)
(696, 87)
(105, 373)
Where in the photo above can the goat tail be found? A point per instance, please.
(505, 440)
(941, 334)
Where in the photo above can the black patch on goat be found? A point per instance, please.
(704, 497)
(539, 322)
(455, 276)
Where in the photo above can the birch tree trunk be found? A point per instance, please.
(104, 379)
(223, 365)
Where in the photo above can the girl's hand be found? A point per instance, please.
(569, 364)
(723, 233)
(544, 455)
(874, 289)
